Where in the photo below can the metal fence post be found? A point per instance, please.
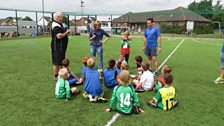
(17, 24)
(37, 24)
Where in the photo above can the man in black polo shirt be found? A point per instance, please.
(59, 42)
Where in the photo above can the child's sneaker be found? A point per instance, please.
(152, 104)
(174, 103)
(139, 90)
(78, 83)
(218, 80)
(133, 76)
(155, 74)
(102, 100)
(85, 95)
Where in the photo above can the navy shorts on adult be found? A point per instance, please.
(151, 51)
(222, 60)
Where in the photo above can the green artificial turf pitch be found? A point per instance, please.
(27, 84)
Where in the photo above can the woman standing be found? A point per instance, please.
(96, 44)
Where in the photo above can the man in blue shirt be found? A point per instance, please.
(220, 79)
(152, 40)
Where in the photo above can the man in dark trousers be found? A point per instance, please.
(59, 42)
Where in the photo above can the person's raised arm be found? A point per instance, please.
(62, 35)
(92, 35)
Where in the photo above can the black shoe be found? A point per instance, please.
(139, 90)
(155, 74)
(102, 100)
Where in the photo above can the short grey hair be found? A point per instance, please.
(56, 14)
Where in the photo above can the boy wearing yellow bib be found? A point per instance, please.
(164, 98)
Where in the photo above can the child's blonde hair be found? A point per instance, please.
(127, 33)
(124, 77)
(91, 62)
(96, 23)
(166, 69)
(62, 73)
(124, 66)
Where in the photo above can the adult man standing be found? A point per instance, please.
(59, 42)
(152, 42)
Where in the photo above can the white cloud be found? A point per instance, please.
(93, 6)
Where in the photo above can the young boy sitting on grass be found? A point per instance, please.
(62, 89)
(164, 98)
(72, 78)
(92, 86)
(146, 82)
(138, 61)
(124, 66)
(122, 58)
(110, 75)
(124, 96)
(118, 65)
(160, 82)
(84, 61)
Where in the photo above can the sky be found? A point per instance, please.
(91, 6)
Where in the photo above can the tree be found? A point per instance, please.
(207, 10)
(65, 20)
(193, 6)
(218, 16)
(9, 18)
(27, 18)
(204, 8)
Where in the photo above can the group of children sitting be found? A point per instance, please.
(118, 78)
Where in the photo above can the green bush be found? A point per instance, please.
(165, 28)
(203, 29)
(177, 29)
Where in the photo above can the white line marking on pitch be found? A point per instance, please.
(170, 54)
(206, 43)
(114, 118)
(117, 115)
